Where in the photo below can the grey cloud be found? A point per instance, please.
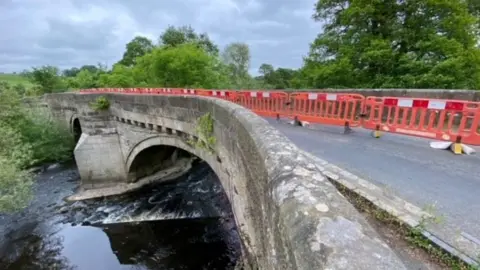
(76, 32)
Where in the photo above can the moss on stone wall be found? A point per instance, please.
(206, 140)
(100, 103)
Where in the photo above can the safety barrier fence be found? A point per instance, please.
(447, 120)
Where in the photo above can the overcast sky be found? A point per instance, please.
(68, 33)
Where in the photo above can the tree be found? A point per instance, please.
(266, 69)
(137, 47)
(86, 79)
(47, 77)
(71, 72)
(174, 36)
(416, 43)
(89, 68)
(184, 65)
(237, 57)
(121, 76)
(280, 78)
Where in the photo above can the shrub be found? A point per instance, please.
(100, 104)
(28, 136)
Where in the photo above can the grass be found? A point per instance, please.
(15, 79)
(413, 236)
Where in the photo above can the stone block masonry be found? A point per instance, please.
(288, 215)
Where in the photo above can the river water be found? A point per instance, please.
(186, 224)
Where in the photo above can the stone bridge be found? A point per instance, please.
(288, 214)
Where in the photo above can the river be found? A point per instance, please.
(185, 224)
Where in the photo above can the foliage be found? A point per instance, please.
(137, 47)
(47, 77)
(236, 56)
(100, 104)
(15, 79)
(15, 186)
(176, 36)
(185, 65)
(363, 44)
(27, 137)
(121, 76)
(281, 78)
(206, 139)
(50, 141)
(411, 44)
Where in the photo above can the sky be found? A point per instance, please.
(68, 33)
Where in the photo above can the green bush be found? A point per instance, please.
(28, 136)
(50, 141)
(100, 104)
(15, 186)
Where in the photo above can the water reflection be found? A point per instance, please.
(32, 251)
(171, 244)
(204, 238)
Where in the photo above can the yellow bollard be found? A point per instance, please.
(377, 133)
(456, 147)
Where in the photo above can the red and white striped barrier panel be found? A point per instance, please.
(265, 103)
(343, 109)
(448, 120)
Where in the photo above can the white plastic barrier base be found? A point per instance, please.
(465, 149)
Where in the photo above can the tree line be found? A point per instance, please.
(364, 44)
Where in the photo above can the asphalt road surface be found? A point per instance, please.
(405, 165)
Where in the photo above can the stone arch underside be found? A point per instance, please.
(172, 142)
(76, 128)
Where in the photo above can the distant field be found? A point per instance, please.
(15, 79)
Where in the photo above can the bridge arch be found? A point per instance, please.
(150, 147)
(75, 127)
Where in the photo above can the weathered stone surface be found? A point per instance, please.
(289, 216)
(445, 237)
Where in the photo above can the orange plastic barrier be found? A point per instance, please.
(324, 108)
(265, 103)
(448, 120)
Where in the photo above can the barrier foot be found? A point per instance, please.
(456, 147)
(377, 133)
(347, 129)
(296, 122)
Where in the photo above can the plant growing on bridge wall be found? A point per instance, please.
(206, 139)
(100, 104)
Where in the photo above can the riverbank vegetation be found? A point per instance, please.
(363, 44)
(28, 137)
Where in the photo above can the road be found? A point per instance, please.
(406, 165)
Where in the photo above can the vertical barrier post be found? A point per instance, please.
(347, 129)
(296, 122)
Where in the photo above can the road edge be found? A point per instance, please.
(407, 213)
